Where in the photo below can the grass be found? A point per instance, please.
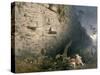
(42, 64)
(48, 64)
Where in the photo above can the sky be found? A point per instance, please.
(88, 19)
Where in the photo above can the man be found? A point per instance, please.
(79, 60)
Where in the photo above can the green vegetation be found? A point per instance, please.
(42, 63)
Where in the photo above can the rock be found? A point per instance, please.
(46, 5)
(53, 7)
(38, 27)
(31, 29)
